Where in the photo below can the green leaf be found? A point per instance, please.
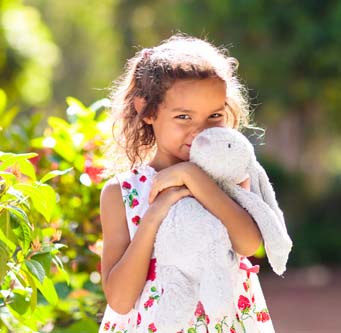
(48, 290)
(34, 295)
(78, 109)
(22, 231)
(218, 328)
(53, 174)
(74, 101)
(64, 147)
(20, 161)
(8, 116)
(62, 134)
(84, 325)
(8, 176)
(17, 195)
(19, 302)
(6, 234)
(54, 248)
(21, 226)
(3, 102)
(63, 273)
(36, 269)
(27, 168)
(37, 142)
(78, 163)
(102, 103)
(45, 260)
(14, 157)
(5, 254)
(59, 124)
(42, 195)
(19, 213)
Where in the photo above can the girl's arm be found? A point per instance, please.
(243, 231)
(125, 263)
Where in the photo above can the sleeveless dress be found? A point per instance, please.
(249, 313)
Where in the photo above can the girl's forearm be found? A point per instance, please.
(243, 231)
(127, 278)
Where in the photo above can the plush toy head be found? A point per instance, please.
(229, 158)
(232, 152)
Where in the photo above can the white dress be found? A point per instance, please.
(249, 313)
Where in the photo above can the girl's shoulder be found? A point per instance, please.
(132, 187)
(139, 173)
(130, 180)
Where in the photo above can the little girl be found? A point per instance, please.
(169, 94)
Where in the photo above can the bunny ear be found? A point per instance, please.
(263, 187)
(254, 179)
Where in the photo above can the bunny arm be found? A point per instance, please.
(277, 242)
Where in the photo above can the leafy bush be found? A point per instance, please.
(29, 250)
(31, 265)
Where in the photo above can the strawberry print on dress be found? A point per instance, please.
(248, 315)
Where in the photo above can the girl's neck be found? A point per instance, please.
(159, 162)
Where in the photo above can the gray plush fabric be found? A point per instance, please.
(195, 259)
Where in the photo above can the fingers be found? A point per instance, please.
(246, 183)
(163, 180)
(159, 183)
(153, 193)
(182, 192)
(175, 193)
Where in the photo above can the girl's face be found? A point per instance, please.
(189, 107)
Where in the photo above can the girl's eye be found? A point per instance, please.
(183, 116)
(216, 115)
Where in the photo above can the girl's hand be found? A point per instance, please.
(169, 177)
(246, 184)
(159, 208)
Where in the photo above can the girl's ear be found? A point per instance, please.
(139, 104)
(148, 120)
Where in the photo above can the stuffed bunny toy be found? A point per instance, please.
(191, 243)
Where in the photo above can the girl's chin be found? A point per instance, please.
(185, 156)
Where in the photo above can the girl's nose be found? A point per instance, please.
(197, 130)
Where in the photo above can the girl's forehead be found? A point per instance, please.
(185, 93)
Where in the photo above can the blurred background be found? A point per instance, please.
(57, 62)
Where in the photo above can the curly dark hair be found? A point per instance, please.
(151, 72)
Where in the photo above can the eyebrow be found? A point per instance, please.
(179, 109)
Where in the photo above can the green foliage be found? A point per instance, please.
(61, 290)
(27, 255)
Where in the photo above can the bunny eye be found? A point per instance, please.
(229, 145)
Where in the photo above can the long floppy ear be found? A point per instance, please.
(260, 184)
